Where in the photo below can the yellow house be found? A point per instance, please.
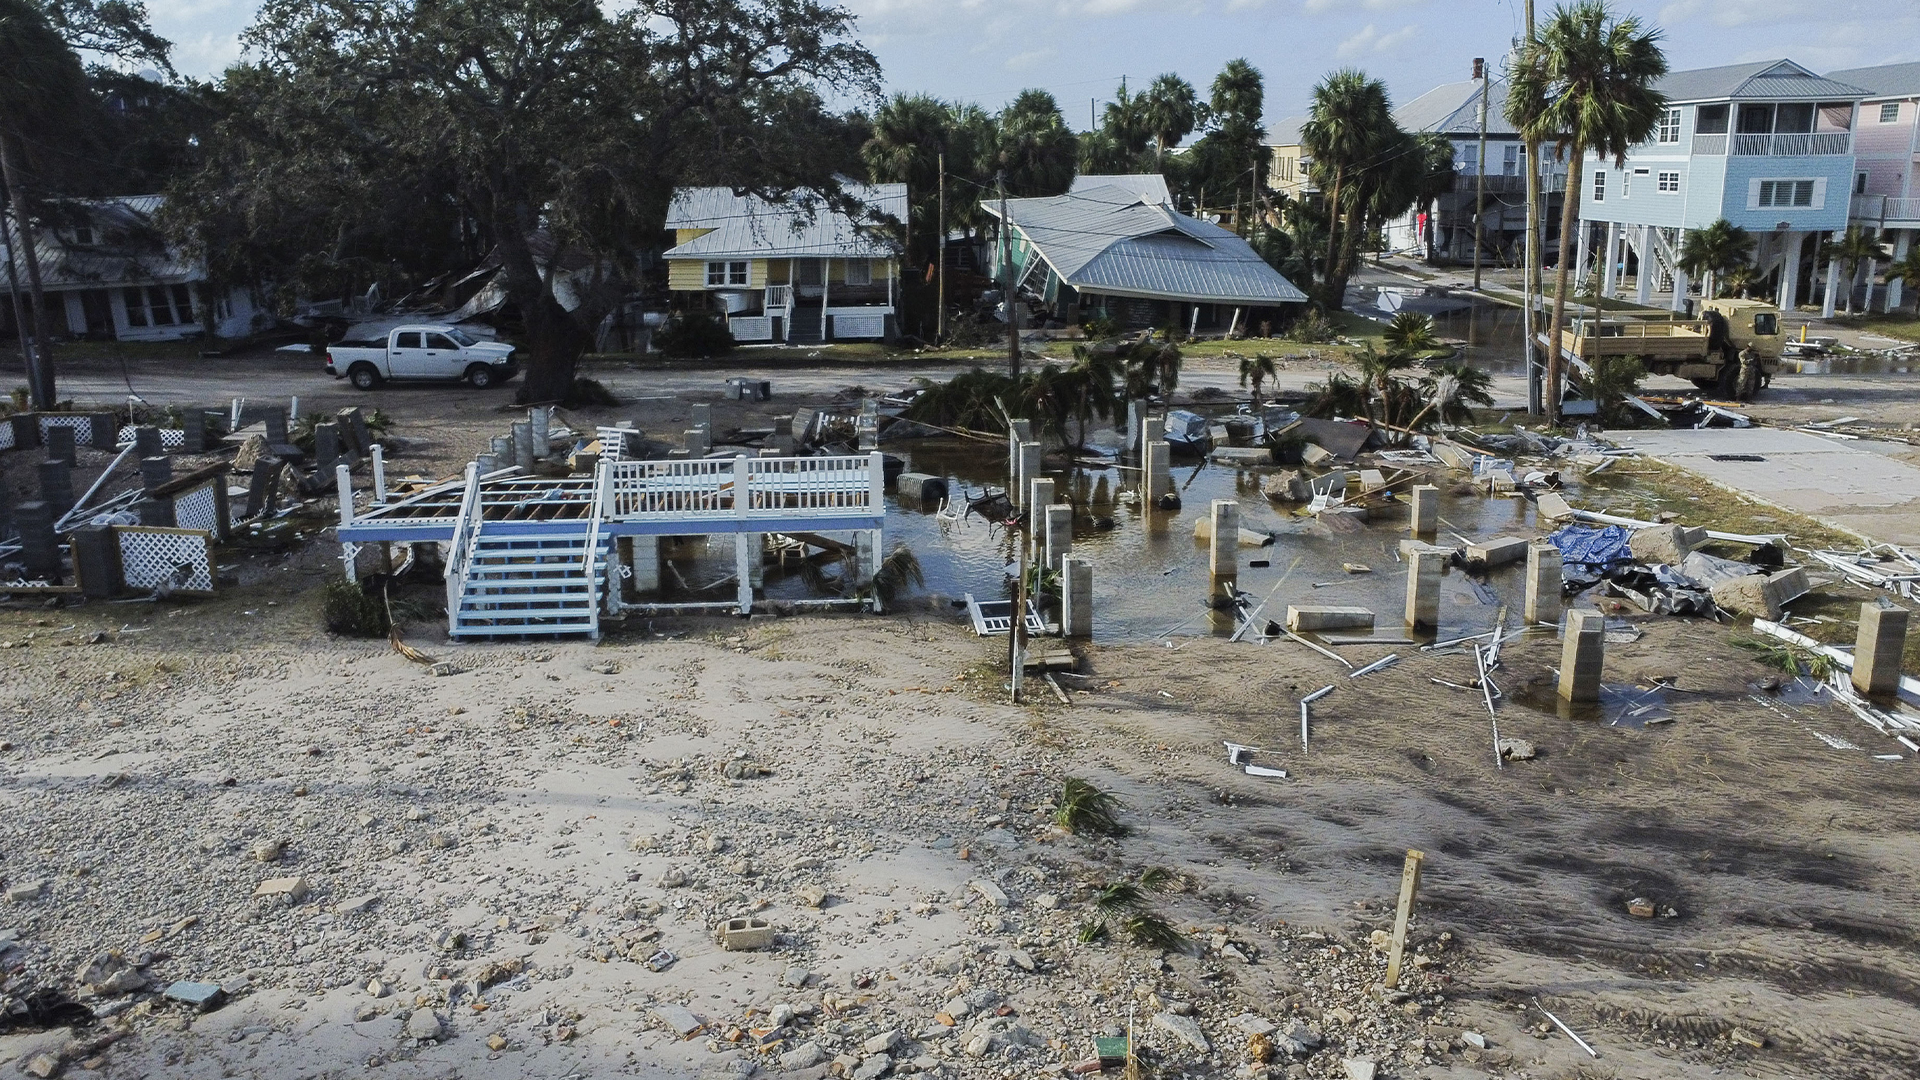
(797, 271)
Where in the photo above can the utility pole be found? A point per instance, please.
(40, 381)
(940, 270)
(1480, 179)
(1006, 294)
(1530, 274)
(19, 310)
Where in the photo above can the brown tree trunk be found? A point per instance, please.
(1569, 214)
(41, 390)
(1333, 234)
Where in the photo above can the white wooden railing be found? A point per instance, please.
(1884, 208)
(466, 528)
(743, 487)
(1788, 144)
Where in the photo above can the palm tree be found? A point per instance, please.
(1907, 269)
(1169, 109)
(1584, 84)
(1708, 253)
(1436, 165)
(1855, 246)
(1092, 378)
(1125, 121)
(1033, 146)
(1257, 370)
(1410, 332)
(1741, 280)
(43, 103)
(1348, 132)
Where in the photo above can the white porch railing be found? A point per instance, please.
(742, 487)
(779, 298)
(1789, 144)
(465, 529)
(1883, 208)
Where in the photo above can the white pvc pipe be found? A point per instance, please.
(293, 411)
(343, 483)
(379, 474)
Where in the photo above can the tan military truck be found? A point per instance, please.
(1705, 350)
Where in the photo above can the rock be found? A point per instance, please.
(365, 1012)
(1747, 1038)
(1254, 1024)
(804, 1056)
(1022, 959)
(110, 975)
(953, 961)
(796, 976)
(1183, 1028)
(356, 903)
(882, 1042)
(1300, 1040)
(1359, 1068)
(497, 1042)
(1046, 901)
(443, 840)
(812, 895)
(1515, 749)
(426, 1026)
(1288, 485)
(980, 1045)
(991, 893)
(284, 890)
(1339, 1015)
(780, 1015)
(1660, 544)
(1474, 1039)
(27, 891)
(43, 1066)
(674, 878)
(678, 1019)
(873, 1067)
(203, 996)
(269, 850)
(744, 769)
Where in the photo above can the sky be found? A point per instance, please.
(986, 51)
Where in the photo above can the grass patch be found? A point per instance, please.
(1897, 325)
(1645, 488)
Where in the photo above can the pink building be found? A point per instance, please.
(1886, 149)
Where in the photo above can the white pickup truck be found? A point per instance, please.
(440, 352)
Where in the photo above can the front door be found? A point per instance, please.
(407, 359)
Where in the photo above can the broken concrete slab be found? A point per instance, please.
(203, 996)
(993, 894)
(1184, 1028)
(1339, 439)
(1245, 456)
(678, 1019)
(1554, 507)
(1305, 617)
(1499, 551)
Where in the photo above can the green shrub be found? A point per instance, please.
(694, 334)
(350, 611)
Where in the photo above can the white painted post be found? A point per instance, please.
(1610, 261)
(1895, 288)
(379, 476)
(1866, 305)
(1680, 285)
(742, 502)
(1833, 288)
(343, 484)
(1790, 272)
(234, 423)
(1643, 281)
(1583, 240)
(876, 483)
(293, 409)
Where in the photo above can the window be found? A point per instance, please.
(1786, 193)
(1599, 185)
(1510, 161)
(1766, 324)
(158, 305)
(1669, 181)
(1626, 184)
(408, 341)
(859, 272)
(1860, 183)
(461, 336)
(1669, 131)
(83, 235)
(440, 341)
(1794, 118)
(1755, 120)
(1710, 120)
(726, 273)
(1889, 112)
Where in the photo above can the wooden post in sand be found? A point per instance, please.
(1409, 884)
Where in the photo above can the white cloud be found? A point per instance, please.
(1371, 40)
(1030, 59)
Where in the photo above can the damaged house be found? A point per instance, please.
(799, 271)
(1122, 253)
(108, 273)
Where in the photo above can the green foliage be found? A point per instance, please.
(1256, 370)
(1085, 810)
(1613, 379)
(1313, 328)
(1855, 246)
(1092, 931)
(1471, 387)
(1150, 930)
(1032, 148)
(693, 334)
(971, 400)
(1411, 332)
(910, 134)
(1709, 254)
(348, 610)
(1117, 897)
(898, 570)
(1101, 328)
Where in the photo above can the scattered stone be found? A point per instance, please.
(1640, 907)
(364, 1012)
(796, 976)
(804, 1056)
(1183, 1028)
(1022, 959)
(203, 996)
(1046, 901)
(443, 840)
(284, 890)
(425, 1025)
(882, 1043)
(1747, 1038)
(110, 975)
(744, 769)
(678, 1019)
(445, 668)
(812, 895)
(497, 1042)
(378, 989)
(1254, 1024)
(269, 850)
(1474, 1039)
(873, 1067)
(1515, 749)
(27, 891)
(993, 894)
(356, 903)
(674, 878)
(980, 1045)
(1359, 1068)
(43, 1065)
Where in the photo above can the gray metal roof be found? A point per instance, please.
(128, 248)
(1454, 109)
(1149, 186)
(1285, 132)
(1761, 80)
(1885, 81)
(750, 227)
(1109, 240)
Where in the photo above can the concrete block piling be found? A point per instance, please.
(1076, 597)
(1423, 588)
(1058, 532)
(56, 485)
(1302, 618)
(920, 489)
(1223, 550)
(1876, 652)
(699, 442)
(326, 449)
(1582, 655)
(1499, 551)
(60, 444)
(541, 417)
(1027, 471)
(39, 546)
(146, 442)
(275, 421)
(1426, 510)
(1039, 497)
(155, 472)
(1543, 602)
(701, 416)
(1159, 470)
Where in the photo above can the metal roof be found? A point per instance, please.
(1285, 132)
(1109, 240)
(1761, 80)
(128, 247)
(1454, 109)
(751, 227)
(1885, 81)
(1149, 186)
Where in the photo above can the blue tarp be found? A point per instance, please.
(1593, 549)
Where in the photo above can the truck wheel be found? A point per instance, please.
(479, 376)
(1707, 384)
(363, 377)
(1728, 385)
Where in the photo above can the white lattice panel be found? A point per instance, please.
(198, 509)
(166, 560)
(859, 326)
(170, 438)
(82, 426)
(6, 436)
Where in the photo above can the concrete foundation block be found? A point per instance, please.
(1423, 588)
(1223, 547)
(701, 416)
(1426, 510)
(1582, 655)
(60, 444)
(1788, 585)
(155, 471)
(1039, 494)
(920, 489)
(1057, 533)
(39, 546)
(1876, 652)
(1026, 470)
(146, 442)
(1553, 507)
(1499, 551)
(1304, 617)
(1544, 580)
(96, 560)
(1159, 470)
(56, 485)
(1076, 597)
(746, 934)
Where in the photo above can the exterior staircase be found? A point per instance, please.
(545, 583)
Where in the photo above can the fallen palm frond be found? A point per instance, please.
(1092, 930)
(1119, 896)
(393, 633)
(1086, 810)
(1154, 932)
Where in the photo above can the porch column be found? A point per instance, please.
(1584, 249)
(1790, 272)
(1609, 274)
(1680, 281)
(1894, 288)
(1833, 288)
(826, 287)
(1649, 267)
(1866, 305)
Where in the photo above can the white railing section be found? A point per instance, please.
(780, 486)
(779, 298)
(1884, 208)
(1710, 145)
(743, 487)
(466, 529)
(696, 488)
(1788, 144)
(590, 552)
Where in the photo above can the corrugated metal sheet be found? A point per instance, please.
(747, 226)
(128, 249)
(1149, 186)
(1109, 240)
(1454, 109)
(1887, 80)
(1759, 80)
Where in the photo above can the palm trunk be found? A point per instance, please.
(1333, 222)
(42, 392)
(1569, 215)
